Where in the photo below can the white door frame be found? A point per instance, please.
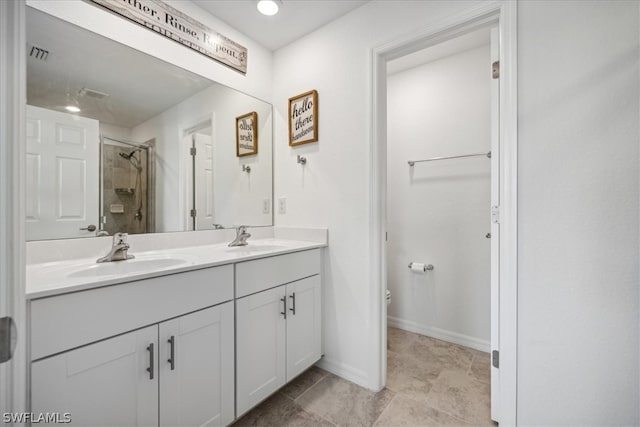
(505, 14)
(13, 374)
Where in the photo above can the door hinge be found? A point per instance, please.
(495, 70)
(495, 214)
(8, 338)
(386, 236)
(495, 359)
(192, 151)
(193, 213)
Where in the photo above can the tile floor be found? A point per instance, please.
(429, 383)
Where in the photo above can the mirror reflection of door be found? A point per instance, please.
(61, 193)
(200, 204)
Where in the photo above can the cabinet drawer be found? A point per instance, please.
(258, 275)
(71, 320)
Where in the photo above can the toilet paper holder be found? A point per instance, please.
(425, 267)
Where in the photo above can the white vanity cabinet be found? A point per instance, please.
(278, 323)
(196, 368)
(178, 371)
(193, 348)
(106, 381)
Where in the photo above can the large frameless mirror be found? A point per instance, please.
(120, 141)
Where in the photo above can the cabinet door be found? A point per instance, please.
(197, 381)
(260, 341)
(303, 325)
(106, 383)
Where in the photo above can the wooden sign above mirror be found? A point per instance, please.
(175, 25)
(118, 140)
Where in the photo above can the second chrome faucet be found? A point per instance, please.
(241, 236)
(118, 250)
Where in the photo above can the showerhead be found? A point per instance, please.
(128, 156)
(135, 162)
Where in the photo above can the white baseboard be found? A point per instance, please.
(441, 334)
(347, 372)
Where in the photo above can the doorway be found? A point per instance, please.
(199, 156)
(439, 187)
(503, 214)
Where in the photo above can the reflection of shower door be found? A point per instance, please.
(62, 175)
(202, 190)
(128, 183)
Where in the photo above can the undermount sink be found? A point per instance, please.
(127, 267)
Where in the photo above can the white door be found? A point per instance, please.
(62, 175)
(197, 368)
(303, 325)
(106, 383)
(260, 346)
(203, 181)
(495, 227)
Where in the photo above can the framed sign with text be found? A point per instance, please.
(247, 134)
(303, 118)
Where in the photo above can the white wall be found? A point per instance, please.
(578, 213)
(438, 212)
(332, 189)
(578, 195)
(238, 196)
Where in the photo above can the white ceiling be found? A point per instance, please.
(295, 18)
(451, 47)
(139, 86)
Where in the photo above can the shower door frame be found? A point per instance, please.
(150, 147)
(504, 14)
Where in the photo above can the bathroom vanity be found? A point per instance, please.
(189, 336)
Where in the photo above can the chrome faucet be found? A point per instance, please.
(119, 249)
(241, 236)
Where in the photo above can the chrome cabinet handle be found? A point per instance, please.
(90, 227)
(293, 303)
(284, 303)
(172, 356)
(150, 369)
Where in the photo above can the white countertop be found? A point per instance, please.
(60, 277)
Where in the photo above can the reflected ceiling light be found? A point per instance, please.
(268, 7)
(72, 109)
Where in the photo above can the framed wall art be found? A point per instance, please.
(247, 134)
(303, 118)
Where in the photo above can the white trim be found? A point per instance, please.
(508, 213)
(13, 375)
(349, 373)
(505, 14)
(440, 334)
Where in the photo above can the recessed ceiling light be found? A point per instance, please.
(72, 109)
(268, 7)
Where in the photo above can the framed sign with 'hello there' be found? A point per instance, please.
(303, 118)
